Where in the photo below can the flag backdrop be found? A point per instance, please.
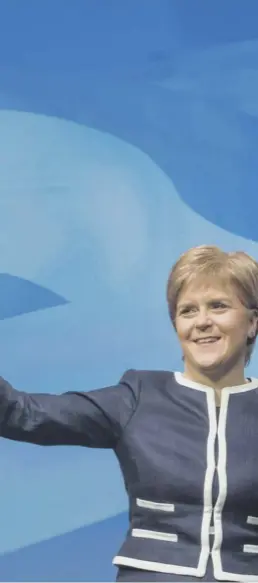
(128, 133)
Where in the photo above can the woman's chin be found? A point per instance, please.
(209, 363)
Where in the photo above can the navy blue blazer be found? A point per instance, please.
(191, 475)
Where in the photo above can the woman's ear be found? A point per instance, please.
(254, 324)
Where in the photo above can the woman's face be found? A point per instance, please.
(213, 327)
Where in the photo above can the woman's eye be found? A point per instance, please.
(187, 310)
(219, 305)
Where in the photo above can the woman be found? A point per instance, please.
(186, 442)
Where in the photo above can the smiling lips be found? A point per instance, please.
(207, 340)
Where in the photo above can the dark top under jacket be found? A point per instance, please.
(191, 476)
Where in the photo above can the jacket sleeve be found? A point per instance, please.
(92, 419)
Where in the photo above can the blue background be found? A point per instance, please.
(128, 133)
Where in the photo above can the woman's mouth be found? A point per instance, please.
(207, 340)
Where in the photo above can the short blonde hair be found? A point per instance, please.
(209, 262)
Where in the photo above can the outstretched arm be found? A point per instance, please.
(92, 419)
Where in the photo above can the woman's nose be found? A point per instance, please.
(203, 319)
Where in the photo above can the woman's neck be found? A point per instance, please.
(218, 383)
(216, 380)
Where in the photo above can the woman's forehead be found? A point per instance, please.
(214, 287)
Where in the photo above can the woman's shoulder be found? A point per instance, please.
(147, 376)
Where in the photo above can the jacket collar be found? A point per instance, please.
(182, 380)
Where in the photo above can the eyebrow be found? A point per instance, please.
(210, 301)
